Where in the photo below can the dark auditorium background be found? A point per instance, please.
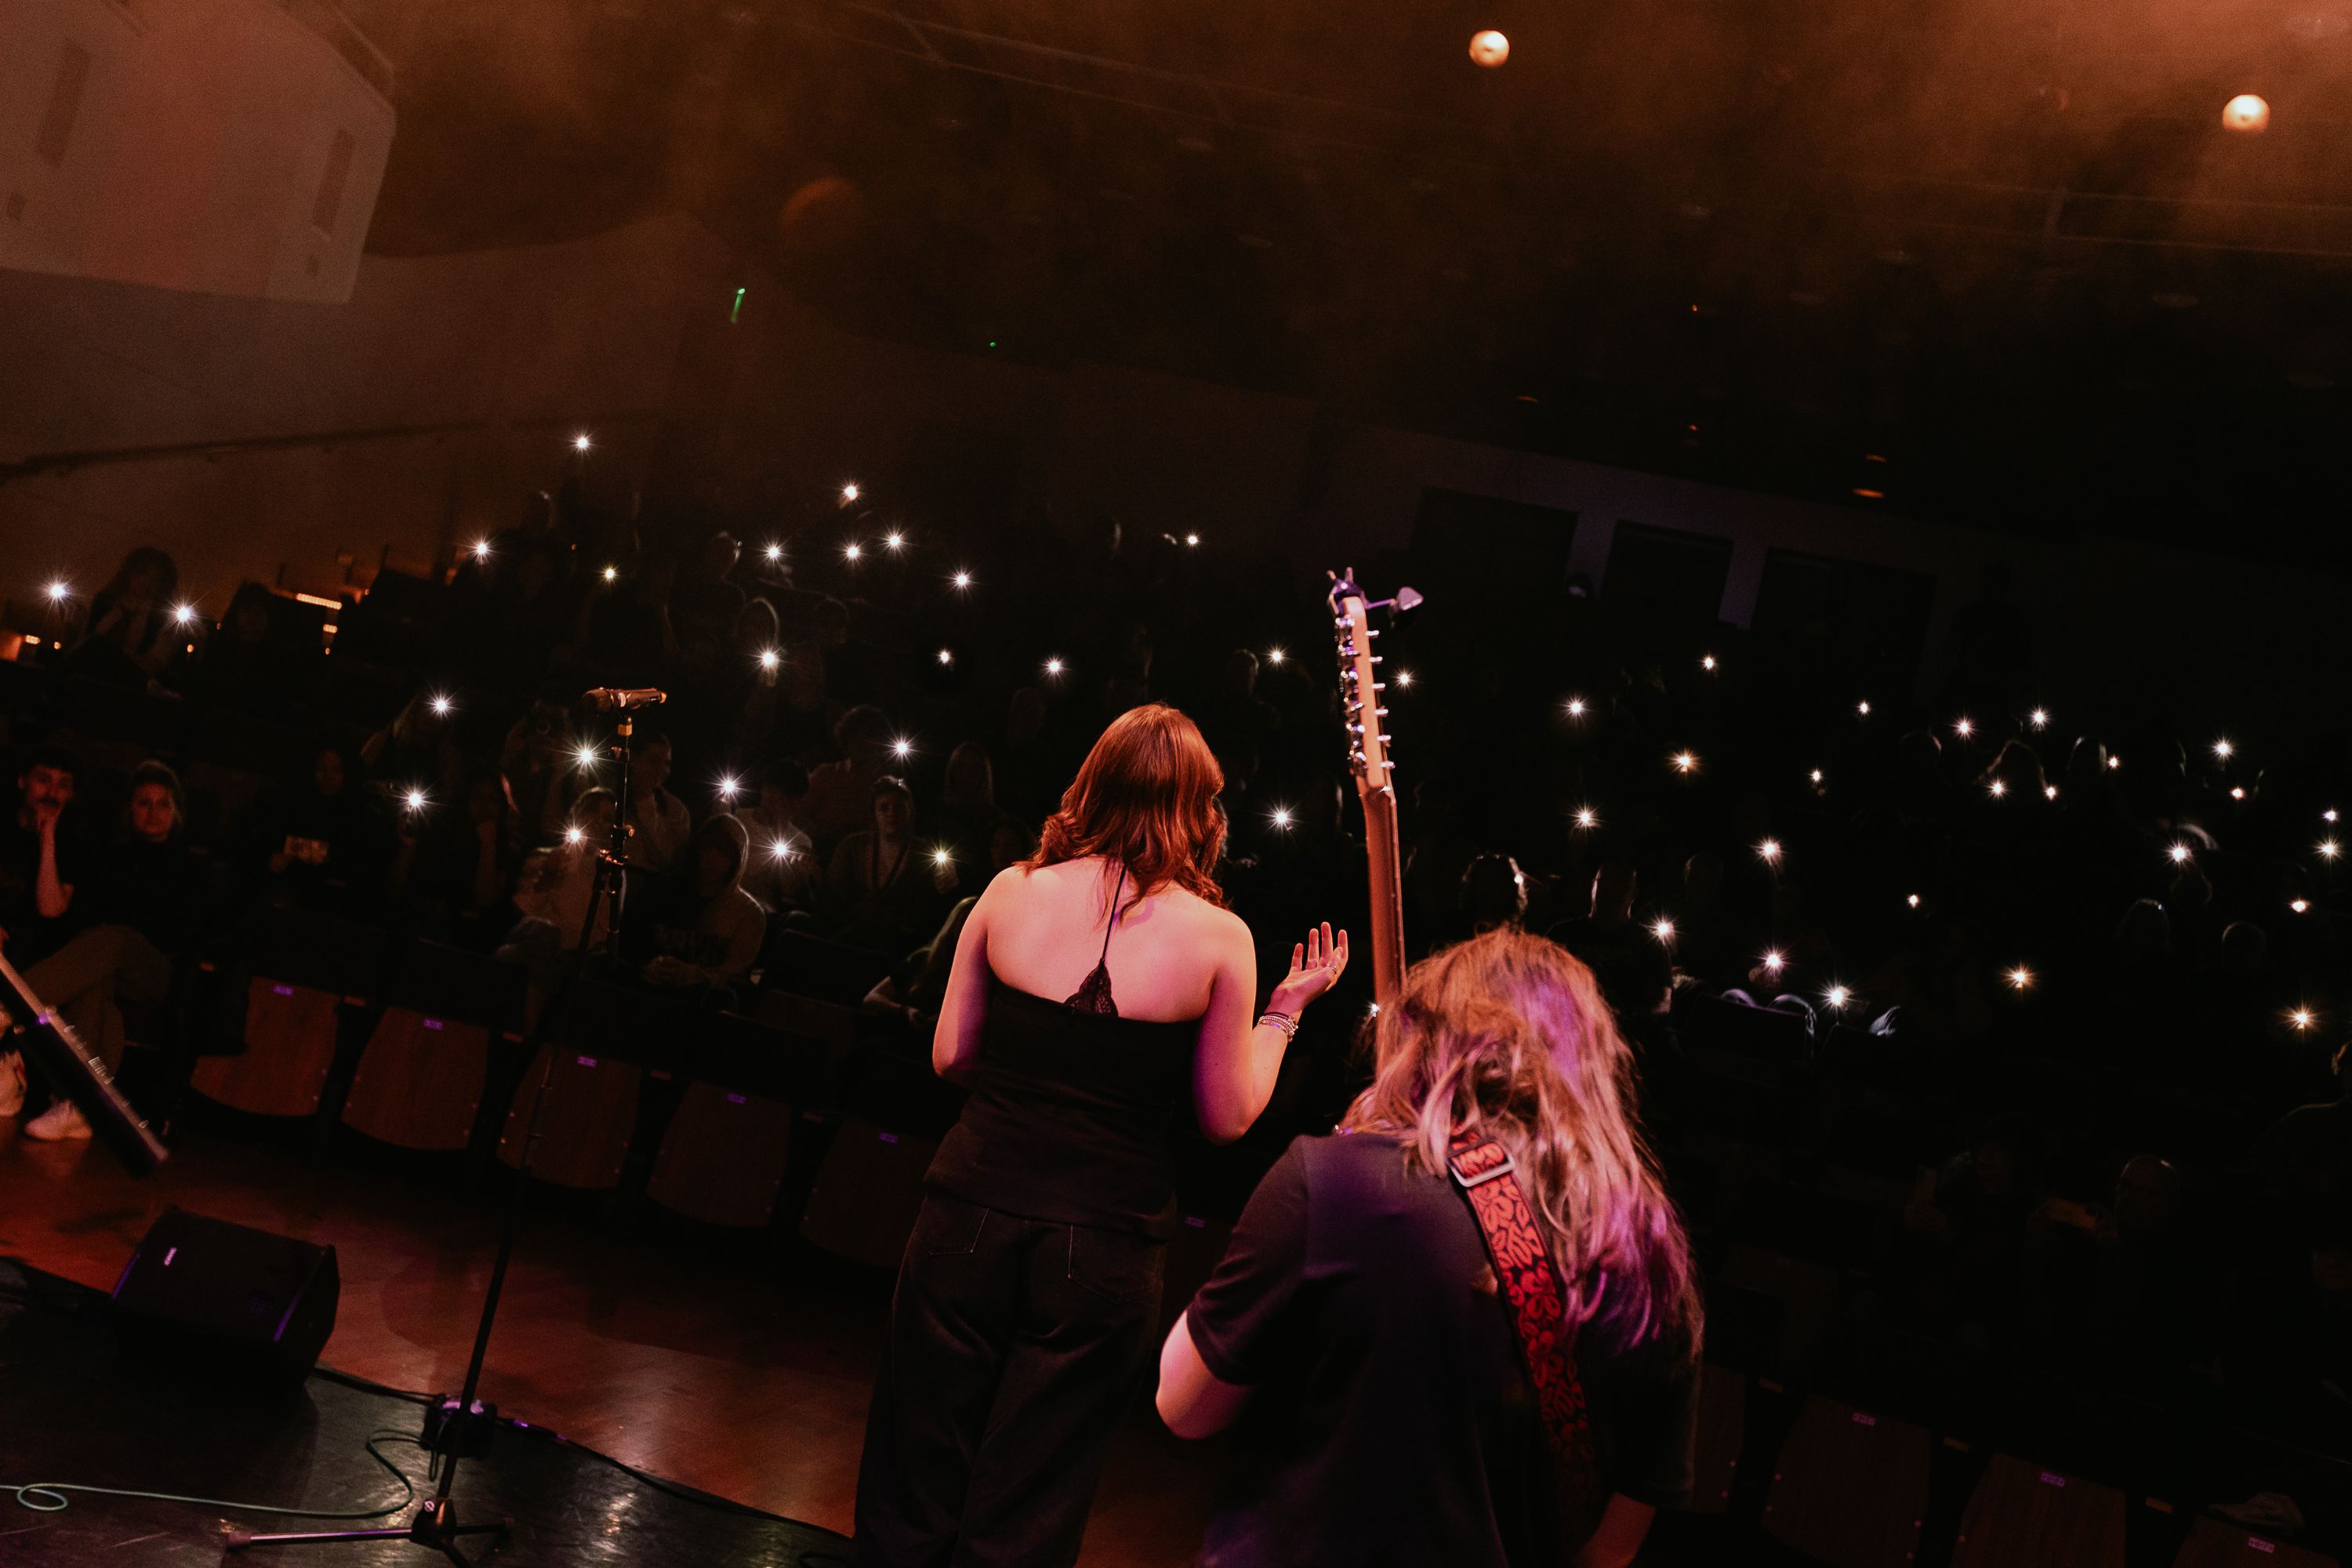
(1877, 477)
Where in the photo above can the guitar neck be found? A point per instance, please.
(1386, 868)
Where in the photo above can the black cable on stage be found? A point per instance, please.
(37, 1495)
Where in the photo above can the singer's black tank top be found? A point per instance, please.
(1072, 1110)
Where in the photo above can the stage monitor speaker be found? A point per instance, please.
(226, 1299)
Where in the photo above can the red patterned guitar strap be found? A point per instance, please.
(1523, 1265)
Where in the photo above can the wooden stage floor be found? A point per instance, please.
(739, 1369)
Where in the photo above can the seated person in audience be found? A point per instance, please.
(323, 839)
(661, 821)
(133, 635)
(1637, 975)
(457, 858)
(152, 880)
(1009, 844)
(883, 889)
(90, 974)
(1494, 893)
(245, 668)
(966, 811)
(552, 893)
(1967, 1232)
(841, 792)
(1356, 1337)
(915, 990)
(2305, 1157)
(419, 750)
(706, 601)
(706, 932)
(539, 759)
(624, 627)
(784, 874)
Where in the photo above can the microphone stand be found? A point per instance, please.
(461, 1426)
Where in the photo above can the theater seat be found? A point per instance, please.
(2218, 1544)
(420, 1079)
(863, 1204)
(589, 1120)
(1722, 1432)
(1850, 1490)
(2023, 1516)
(290, 1048)
(723, 1158)
(419, 1083)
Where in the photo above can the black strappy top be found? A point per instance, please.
(1072, 1109)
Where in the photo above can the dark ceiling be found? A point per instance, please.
(1990, 260)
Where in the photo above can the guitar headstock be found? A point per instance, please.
(1360, 683)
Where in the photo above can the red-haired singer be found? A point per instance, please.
(1099, 990)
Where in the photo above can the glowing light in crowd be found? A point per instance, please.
(2329, 850)
(2327, 816)
(1964, 729)
(573, 835)
(183, 613)
(1707, 663)
(416, 798)
(1576, 706)
(774, 551)
(441, 705)
(1863, 708)
(60, 590)
(1768, 852)
(940, 856)
(962, 580)
(2300, 906)
(902, 748)
(895, 540)
(2179, 853)
(2302, 1018)
(849, 492)
(1054, 666)
(2223, 750)
(1999, 789)
(1684, 762)
(1913, 899)
(946, 655)
(1489, 48)
(2237, 791)
(580, 443)
(2038, 718)
(585, 756)
(1281, 817)
(611, 573)
(1815, 776)
(2019, 978)
(1275, 656)
(1193, 541)
(2115, 762)
(2050, 791)
(728, 788)
(851, 550)
(1587, 818)
(1662, 930)
(1775, 961)
(482, 550)
(779, 849)
(2248, 114)
(1836, 995)
(1404, 679)
(769, 658)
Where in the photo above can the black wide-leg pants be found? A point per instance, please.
(1015, 1347)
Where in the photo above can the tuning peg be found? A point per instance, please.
(1380, 713)
(1406, 599)
(1380, 686)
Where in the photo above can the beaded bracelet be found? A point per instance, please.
(1282, 1021)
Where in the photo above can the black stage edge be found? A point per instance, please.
(72, 1410)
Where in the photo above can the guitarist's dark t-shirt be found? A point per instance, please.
(1391, 1419)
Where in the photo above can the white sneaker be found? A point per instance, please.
(12, 1084)
(59, 1122)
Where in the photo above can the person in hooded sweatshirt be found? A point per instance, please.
(706, 929)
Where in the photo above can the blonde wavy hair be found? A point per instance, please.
(1506, 1036)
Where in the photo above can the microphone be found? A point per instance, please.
(608, 698)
